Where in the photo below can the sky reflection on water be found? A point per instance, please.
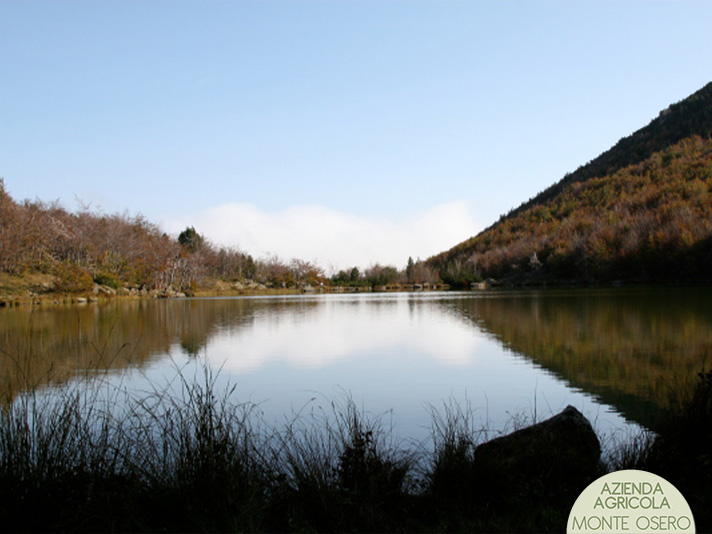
(399, 352)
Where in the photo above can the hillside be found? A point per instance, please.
(642, 211)
(47, 252)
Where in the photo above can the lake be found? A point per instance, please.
(509, 357)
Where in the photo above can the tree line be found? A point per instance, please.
(87, 247)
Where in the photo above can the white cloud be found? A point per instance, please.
(332, 239)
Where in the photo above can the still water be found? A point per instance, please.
(509, 356)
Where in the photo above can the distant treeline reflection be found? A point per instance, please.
(52, 344)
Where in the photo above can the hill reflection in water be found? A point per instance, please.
(631, 347)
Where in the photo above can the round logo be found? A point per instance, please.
(630, 501)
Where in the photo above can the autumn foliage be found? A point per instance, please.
(640, 212)
(119, 250)
(79, 250)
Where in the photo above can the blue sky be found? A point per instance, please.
(344, 132)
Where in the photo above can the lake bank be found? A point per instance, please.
(39, 288)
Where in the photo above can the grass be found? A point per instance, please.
(187, 458)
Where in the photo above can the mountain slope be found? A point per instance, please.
(641, 211)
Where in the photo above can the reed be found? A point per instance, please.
(185, 457)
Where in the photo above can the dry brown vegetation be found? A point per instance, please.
(45, 248)
(651, 222)
(641, 211)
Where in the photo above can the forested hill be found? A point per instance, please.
(642, 211)
(692, 116)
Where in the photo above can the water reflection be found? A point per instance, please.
(314, 333)
(632, 348)
(610, 353)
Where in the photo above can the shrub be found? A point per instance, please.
(72, 279)
(107, 279)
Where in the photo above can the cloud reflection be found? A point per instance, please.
(338, 330)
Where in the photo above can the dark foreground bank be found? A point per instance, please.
(193, 461)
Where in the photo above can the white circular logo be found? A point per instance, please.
(630, 501)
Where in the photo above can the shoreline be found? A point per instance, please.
(27, 297)
(36, 289)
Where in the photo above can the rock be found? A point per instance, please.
(556, 451)
(103, 290)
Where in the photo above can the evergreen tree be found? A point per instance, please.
(190, 239)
